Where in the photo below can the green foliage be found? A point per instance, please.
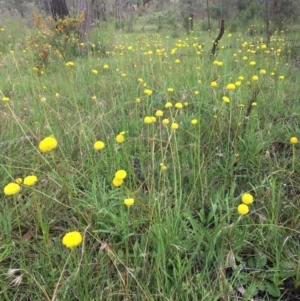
(183, 238)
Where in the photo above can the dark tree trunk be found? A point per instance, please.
(58, 8)
(208, 16)
(145, 2)
(85, 7)
(192, 22)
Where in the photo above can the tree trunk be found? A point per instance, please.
(85, 7)
(58, 8)
(208, 17)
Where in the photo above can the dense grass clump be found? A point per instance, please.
(140, 168)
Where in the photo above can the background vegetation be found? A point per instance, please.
(183, 238)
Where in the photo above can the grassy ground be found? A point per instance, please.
(183, 239)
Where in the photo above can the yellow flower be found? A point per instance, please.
(57, 95)
(69, 64)
(165, 121)
(241, 77)
(194, 121)
(220, 64)
(105, 67)
(117, 182)
(213, 84)
(5, 98)
(11, 189)
(254, 104)
(30, 180)
(43, 99)
(196, 92)
(19, 180)
(178, 105)
(121, 174)
(98, 145)
(247, 198)
(95, 71)
(281, 77)
(242, 209)
(120, 138)
(72, 239)
(148, 120)
(124, 74)
(294, 140)
(255, 78)
(174, 126)
(129, 202)
(48, 144)
(226, 99)
(177, 61)
(159, 113)
(230, 87)
(148, 92)
(153, 118)
(168, 105)
(170, 90)
(252, 63)
(138, 100)
(262, 71)
(245, 58)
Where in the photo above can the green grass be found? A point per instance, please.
(183, 238)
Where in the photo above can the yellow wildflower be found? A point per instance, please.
(30, 180)
(11, 189)
(72, 239)
(98, 145)
(48, 144)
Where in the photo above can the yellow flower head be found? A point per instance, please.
(226, 99)
(137, 100)
(178, 105)
(153, 118)
(262, 71)
(5, 98)
(120, 138)
(117, 182)
(48, 144)
(294, 140)
(177, 61)
(247, 198)
(165, 121)
(174, 126)
(19, 180)
(121, 174)
(95, 71)
(159, 113)
(30, 180)
(148, 120)
(241, 78)
(281, 77)
(168, 105)
(57, 95)
(252, 63)
(105, 67)
(11, 188)
(170, 90)
(98, 145)
(69, 64)
(72, 239)
(194, 121)
(230, 87)
(255, 78)
(213, 84)
(129, 202)
(148, 92)
(242, 209)
(245, 58)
